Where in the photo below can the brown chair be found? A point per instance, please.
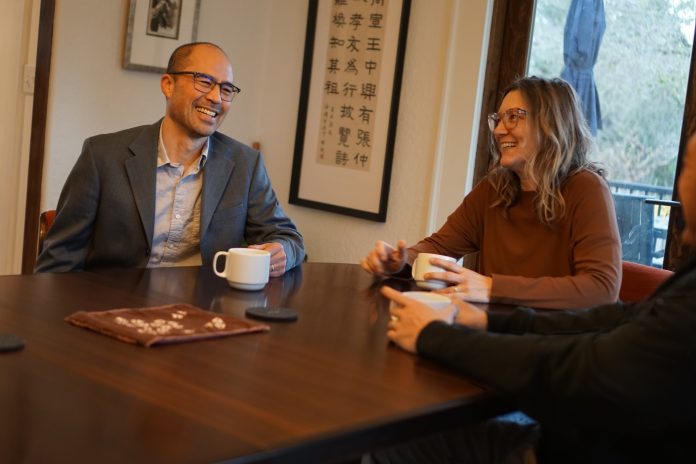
(640, 281)
(45, 222)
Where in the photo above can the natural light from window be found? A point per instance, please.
(641, 73)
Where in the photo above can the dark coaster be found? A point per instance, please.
(10, 343)
(272, 313)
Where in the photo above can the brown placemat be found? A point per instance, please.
(156, 325)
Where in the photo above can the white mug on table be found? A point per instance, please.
(422, 266)
(434, 300)
(245, 268)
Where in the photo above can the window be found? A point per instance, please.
(641, 74)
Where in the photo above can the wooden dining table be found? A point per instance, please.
(325, 388)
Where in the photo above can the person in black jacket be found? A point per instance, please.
(614, 383)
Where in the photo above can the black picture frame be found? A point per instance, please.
(315, 183)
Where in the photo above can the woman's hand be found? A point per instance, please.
(385, 259)
(465, 284)
(409, 317)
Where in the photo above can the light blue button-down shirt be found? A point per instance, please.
(176, 238)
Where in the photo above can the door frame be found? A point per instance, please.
(37, 138)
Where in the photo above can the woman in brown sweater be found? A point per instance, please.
(543, 219)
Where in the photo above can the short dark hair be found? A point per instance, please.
(179, 56)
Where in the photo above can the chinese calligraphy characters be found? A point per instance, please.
(351, 83)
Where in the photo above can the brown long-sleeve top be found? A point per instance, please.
(574, 263)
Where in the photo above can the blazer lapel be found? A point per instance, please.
(217, 172)
(142, 174)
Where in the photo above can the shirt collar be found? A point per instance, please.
(163, 158)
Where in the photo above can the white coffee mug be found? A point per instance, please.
(422, 266)
(434, 300)
(245, 268)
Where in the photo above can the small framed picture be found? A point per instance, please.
(163, 18)
(155, 29)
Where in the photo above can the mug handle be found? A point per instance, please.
(215, 258)
(414, 267)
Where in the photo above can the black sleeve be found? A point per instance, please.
(634, 374)
(526, 320)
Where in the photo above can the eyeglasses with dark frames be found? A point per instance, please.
(510, 118)
(205, 83)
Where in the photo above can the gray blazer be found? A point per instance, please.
(105, 214)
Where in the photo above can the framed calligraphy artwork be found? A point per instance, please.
(349, 101)
(155, 29)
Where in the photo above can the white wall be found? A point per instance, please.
(91, 93)
(17, 47)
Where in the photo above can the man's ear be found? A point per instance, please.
(167, 85)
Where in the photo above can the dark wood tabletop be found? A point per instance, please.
(324, 388)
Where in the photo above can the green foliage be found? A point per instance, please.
(641, 76)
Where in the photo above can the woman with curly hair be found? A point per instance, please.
(542, 221)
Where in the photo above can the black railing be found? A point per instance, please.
(631, 188)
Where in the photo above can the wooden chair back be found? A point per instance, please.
(45, 221)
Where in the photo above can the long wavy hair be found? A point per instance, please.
(565, 144)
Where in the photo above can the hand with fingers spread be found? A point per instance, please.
(385, 259)
(409, 317)
(465, 283)
(278, 258)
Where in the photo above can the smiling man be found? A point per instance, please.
(175, 192)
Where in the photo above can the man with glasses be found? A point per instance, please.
(175, 192)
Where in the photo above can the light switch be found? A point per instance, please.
(28, 79)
